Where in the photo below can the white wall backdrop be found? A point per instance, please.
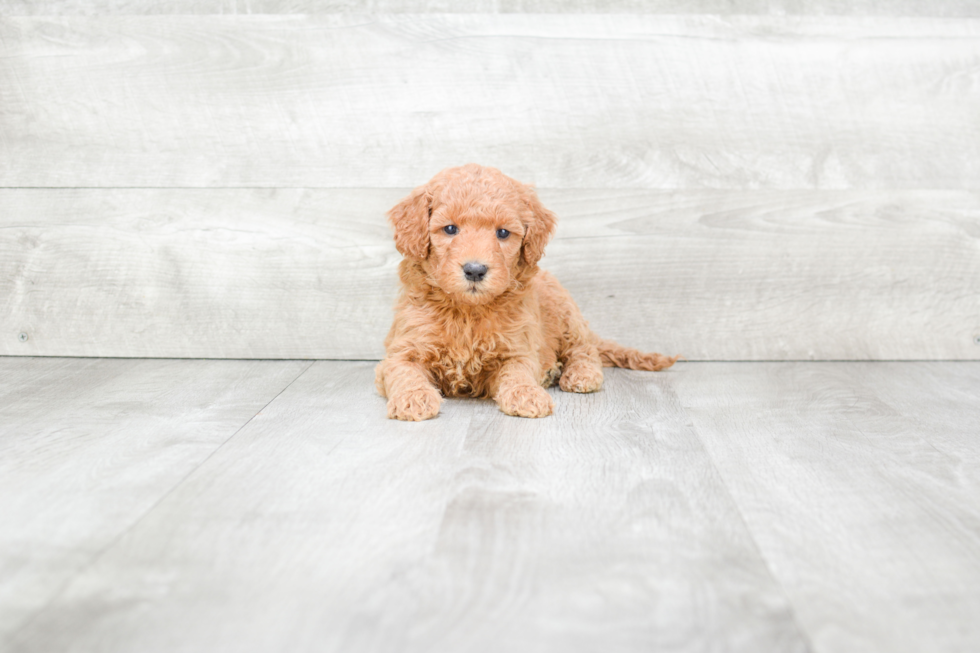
(781, 180)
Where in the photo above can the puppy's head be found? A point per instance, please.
(475, 231)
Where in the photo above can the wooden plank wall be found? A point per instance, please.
(794, 181)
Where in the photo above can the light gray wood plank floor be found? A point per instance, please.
(716, 506)
(87, 447)
(861, 484)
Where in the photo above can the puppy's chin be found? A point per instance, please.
(473, 295)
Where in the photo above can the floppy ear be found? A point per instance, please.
(410, 218)
(539, 229)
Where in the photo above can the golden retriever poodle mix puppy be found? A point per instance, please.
(476, 317)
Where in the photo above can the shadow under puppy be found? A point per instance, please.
(476, 317)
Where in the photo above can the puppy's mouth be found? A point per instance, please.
(475, 291)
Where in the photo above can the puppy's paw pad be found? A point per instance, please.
(414, 406)
(584, 378)
(526, 401)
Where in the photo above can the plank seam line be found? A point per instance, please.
(666, 190)
(375, 360)
(115, 540)
(755, 543)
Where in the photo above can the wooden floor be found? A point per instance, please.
(191, 505)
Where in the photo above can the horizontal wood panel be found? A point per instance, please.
(310, 273)
(269, 273)
(949, 8)
(565, 101)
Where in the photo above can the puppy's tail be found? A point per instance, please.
(615, 355)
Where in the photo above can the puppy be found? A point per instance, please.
(476, 317)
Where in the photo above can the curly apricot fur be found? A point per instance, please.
(506, 334)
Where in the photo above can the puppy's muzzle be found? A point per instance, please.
(474, 272)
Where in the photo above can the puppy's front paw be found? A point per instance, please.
(525, 401)
(581, 378)
(414, 406)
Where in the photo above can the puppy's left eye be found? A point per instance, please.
(502, 234)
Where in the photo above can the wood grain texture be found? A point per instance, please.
(860, 484)
(945, 8)
(210, 274)
(303, 273)
(565, 101)
(87, 447)
(321, 526)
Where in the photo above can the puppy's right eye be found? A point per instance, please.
(451, 229)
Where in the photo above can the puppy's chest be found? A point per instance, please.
(463, 362)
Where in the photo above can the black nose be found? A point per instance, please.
(475, 271)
